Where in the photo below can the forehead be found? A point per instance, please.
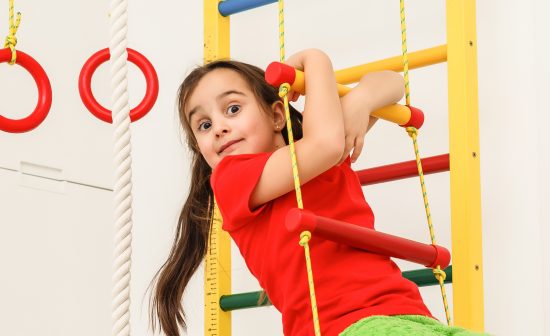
(215, 83)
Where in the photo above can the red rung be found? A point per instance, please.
(298, 220)
(397, 171)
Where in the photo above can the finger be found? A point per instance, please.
(290, 96)
(359, 142)
(347, 149)
(345, 153)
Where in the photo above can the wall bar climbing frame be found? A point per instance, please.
(460, 54)
(230, 7)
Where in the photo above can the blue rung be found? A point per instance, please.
(230, 7)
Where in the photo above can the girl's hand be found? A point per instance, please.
(292, 95)
(298, 61)
(375, 90)
(357, 120)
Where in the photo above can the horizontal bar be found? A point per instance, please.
(402, 170)
(243, 300)
(425, 277)
(278, 73)
(417, 59)
(422, 278)
(230, 7)
(429, 255)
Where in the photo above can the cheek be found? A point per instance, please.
(209, 155)
(203, 146)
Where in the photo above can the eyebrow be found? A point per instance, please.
(218, 97)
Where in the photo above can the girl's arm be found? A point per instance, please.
(374, 91)
(323, 131)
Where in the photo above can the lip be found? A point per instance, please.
(228, 144)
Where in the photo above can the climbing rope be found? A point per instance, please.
(123, 161)
(438, 272)
(11, 40)
(404, 52)
(413, 133)
(305, 236)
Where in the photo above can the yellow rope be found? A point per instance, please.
(11, 40)
(282, 30)
(283, 90)
(438, 272)
(305, 236)
(404, 51)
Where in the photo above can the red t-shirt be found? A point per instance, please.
(350, 284)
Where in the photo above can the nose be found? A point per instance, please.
(220, 127)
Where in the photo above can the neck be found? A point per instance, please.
(279, 141)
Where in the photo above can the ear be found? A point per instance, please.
(279, 118)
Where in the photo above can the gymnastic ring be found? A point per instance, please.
(44, 94)
(85, 85)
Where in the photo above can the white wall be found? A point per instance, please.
(512, 114)
(542, 71)
(72, 146)
(56, 257)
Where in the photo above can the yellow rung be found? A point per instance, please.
(417, 59)
(396, 113)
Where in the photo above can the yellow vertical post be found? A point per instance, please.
(217, 277)
(216, 32)
(464, 164)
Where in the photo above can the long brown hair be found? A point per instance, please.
(191, 241)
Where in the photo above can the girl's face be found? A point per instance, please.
(226, 118)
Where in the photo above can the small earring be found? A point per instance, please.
(277, 127)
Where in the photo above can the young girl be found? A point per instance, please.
(235, 126)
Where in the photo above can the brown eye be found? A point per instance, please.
(203, 126)
(233, 109)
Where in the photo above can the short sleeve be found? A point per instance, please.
(233, 181)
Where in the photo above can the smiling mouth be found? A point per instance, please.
(228, 145)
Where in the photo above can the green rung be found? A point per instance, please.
(422, 277)
(243, 301)
(425, 277)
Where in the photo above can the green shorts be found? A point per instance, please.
(399, 325)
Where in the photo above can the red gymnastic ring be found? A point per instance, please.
(44, 94)
(85, 85)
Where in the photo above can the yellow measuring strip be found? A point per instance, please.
(217, 271)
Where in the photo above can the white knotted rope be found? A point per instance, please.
(123, 162)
